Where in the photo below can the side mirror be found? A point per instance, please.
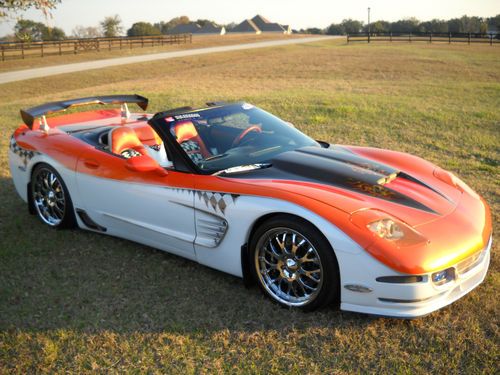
(290, 124)
(144, 163)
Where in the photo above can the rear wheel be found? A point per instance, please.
(50, 198)
(294, 264)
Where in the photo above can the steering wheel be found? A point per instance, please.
(244, 133)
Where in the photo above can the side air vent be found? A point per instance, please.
(210, 229)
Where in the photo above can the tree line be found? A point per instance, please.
(109, 27)
(29, 30)
(464, 24)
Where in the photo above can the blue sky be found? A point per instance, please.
(297, 13)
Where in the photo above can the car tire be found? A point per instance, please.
(294, 264)
(50, 199)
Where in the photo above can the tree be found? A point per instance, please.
(335, 29)
(81, 32)
(143, 29)
(28, 30)
(165, 27)
(8, 7)
(408, 25)
(314, 30)
(434, 26)
(378, 27)
(203, 22)
(352, 26)
(112, 26)
(53, 33)
(230, 26)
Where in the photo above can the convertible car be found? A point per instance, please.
(240, 190)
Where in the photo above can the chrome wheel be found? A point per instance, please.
(288, 266)
(48, 196)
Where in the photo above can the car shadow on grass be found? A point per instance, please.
(73, 279)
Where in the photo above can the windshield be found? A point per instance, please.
(219, 138)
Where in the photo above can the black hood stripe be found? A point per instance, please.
(337, 168)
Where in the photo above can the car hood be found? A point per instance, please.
(351, 181)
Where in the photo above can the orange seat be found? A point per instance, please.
(147, 135)
(124, 141)
(186, 131)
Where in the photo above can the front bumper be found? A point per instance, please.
(413, 299)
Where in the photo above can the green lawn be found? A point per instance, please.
(73, 301)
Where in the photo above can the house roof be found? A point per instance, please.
(210, 28)
(265, 25)
(186, 28)
(247, 26)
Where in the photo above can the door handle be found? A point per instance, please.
(91, 163)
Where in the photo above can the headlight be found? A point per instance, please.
(387, 227)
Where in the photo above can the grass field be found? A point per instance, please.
(72, 301)
(199, 41)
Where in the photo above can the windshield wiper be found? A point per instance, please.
(242, 168)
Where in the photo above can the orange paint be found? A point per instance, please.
(462, 228)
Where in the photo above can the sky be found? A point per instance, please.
(297, 13)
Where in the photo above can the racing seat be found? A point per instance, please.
(124, 141)
(153, 144)
(190, 141)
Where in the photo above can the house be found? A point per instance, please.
(185, 28)
(212, 28)
(247, 26)
(260, 24)
(194, 28)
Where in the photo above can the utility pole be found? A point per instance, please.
(369, 29)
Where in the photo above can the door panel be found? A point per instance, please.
(141, 206)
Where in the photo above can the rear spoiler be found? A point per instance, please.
(29, 115)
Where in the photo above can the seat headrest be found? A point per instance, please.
(124, 138)
(184, 131)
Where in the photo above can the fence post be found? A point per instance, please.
(75, 46)
(449, 38)
(190, 38)
(347, 38)
(60, 50)
(491, 39)
(142, 42)
(22, 49)
(430, 38)
(469, 39)
(41, 48)
(3, 53)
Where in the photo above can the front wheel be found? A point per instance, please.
(50, 198)
(294, 264)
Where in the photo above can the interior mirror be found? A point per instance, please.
(144, 163)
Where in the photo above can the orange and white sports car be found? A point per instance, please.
(239, 190)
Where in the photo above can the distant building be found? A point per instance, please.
(259, 25)
(247, 26)
(194, 28)
(186, 28)
(212, 28)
